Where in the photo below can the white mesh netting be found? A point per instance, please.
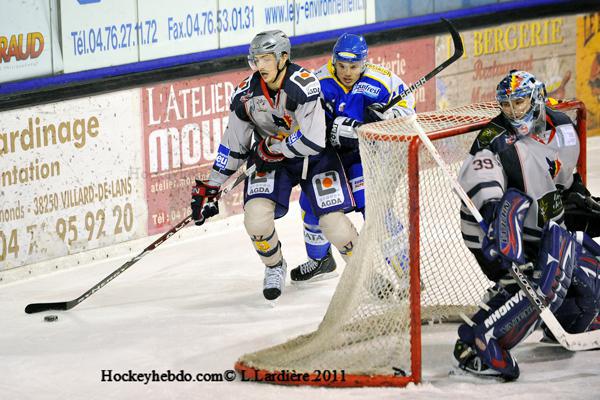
(367, 328)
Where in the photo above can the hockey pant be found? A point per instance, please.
(315, 242)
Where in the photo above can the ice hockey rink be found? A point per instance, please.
(195, 304)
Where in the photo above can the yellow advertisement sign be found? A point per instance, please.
(544, 47)
(588, 68)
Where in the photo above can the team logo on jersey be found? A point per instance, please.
(342, 107)
(366, 89)
(261, 104)
(261, 183)
(328, 189)
(553, 167)
(222, 157)
(285, 122)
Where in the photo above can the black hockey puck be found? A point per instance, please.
(50, 318)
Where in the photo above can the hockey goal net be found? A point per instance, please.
(410, 264)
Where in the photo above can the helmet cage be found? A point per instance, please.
(519, 85)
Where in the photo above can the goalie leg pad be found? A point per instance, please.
(260, 224)
(317, 247)
(581, 307)
(506, 321)
(340, 231)
(558, 254)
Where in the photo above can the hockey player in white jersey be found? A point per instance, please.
(520, 175)
(279, 107)
(354, 92)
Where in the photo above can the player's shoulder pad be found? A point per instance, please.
(244, 90)
(492, 131)
(558, 118)
(324, 73)
(301, 84)
(377, 71)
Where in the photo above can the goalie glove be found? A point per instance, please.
(204, 203)
(582, 213)
(343, 132)
(504, 238)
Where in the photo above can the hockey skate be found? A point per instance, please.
(274, 281)
(314, 270)
(468, 363)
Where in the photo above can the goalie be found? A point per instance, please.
(520, 175)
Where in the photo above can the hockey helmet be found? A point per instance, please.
(267, 42)
(350, 48)
(523, 85)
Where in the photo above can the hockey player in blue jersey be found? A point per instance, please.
(520, 175)
(354, 92)
(278, 106)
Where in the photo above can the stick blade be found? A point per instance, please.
(456, 39)
(39, 307)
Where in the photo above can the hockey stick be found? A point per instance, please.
(570, 341)
(67, 305)
(458, 52)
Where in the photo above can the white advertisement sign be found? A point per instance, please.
(241, 21)
(102, 33)
(312, 16)
(25, 40)
(182, 27)
(70, 178)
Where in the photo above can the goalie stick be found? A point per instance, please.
(570, 341)
(67, 305)
(458, 52)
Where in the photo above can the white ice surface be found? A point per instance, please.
(196, 305)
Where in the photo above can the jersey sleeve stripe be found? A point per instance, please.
(224, 171)
(310, 144)
(483, 185)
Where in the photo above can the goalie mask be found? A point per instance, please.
(270, 42)
(522, 100)
(352, 49)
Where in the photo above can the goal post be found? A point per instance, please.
(409, 266)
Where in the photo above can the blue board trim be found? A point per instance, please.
(144, 66)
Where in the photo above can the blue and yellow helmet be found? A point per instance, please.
(350, 48)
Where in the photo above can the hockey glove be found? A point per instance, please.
(204, 203)
(375, 112)
(582, 213)
(504, 238)
(343, 132)
(264, 159)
